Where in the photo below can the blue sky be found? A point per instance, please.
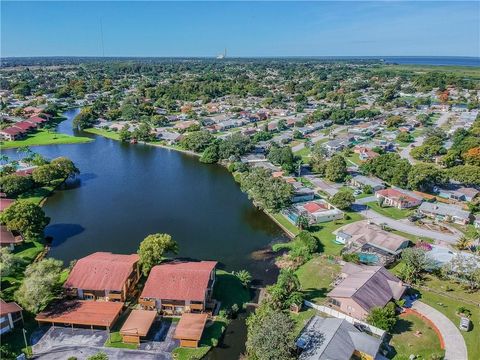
(137, 28)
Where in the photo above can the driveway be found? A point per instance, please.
(330, 189)
(455, 348)
(403, 225)
(160, 337)
(46, 339)
(83, 352)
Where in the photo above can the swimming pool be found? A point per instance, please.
(368, 258)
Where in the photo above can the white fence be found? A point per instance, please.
(339, 315)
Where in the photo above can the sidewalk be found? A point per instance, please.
(455, 348)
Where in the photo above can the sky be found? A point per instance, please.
(341, 28)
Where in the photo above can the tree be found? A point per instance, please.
(270, 335)
(85, 119)
(40, 285)
(153, 248)
(286, 291)
(124, 133)
(302, 222)
(393, 121)
(25, 217)
(466, 269)
(416, 263)
(45, 174)
(336, 169)
(424, 177)
(343, 199)
(14, 184)
(9, 263)
(210, 154)
(98, 356)
(282, 156)
(197, 140)
(235, 145)
(405, 137)
(65, 167)
(383, 318)
(267, 192)
(244, 276)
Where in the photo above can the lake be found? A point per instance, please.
(125, 192)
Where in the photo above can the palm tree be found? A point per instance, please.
(464, 243)
(244, 276)
(302, 222)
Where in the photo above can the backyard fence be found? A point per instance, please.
(329, 311)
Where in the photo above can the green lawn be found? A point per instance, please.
(105, 133)
(301, 319)
(355, 158)
(390, 212)
(315, 278)
(323, 231)
(38, 194)
(305, 154)
(42, 137)
(229, 290)
(116, 341)
(406, 341)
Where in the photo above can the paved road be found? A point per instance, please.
(83, 352)
(455, 348)
(405, 153)
(404, 225)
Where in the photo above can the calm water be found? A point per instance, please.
(126, 192)
(434, 60)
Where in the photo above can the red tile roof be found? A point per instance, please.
(101, 271)
(179, 280)
(312, 207)
(12, 131)
(397, 195)
(5, 203)
(25, 125)
(8, 308)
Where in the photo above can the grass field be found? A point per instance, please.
(406, 341)
(43, 137)
(316, 277)
(390, 212)
(105, 133)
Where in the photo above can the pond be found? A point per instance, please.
(125, 192)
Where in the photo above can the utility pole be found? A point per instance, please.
(25, 339)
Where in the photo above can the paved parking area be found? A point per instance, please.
(46, 339)
(83, 352)
(160, 337)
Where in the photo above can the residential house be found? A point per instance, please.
(103, 276)
(362, 288)
(332, 338)
(10, 316)
(372, 244)
(26, 126)
(317, 211)
(458, 193)
(360, 181)
(12, 133)
(9, 238)
(445, 212)
(179, 286)
(398, 198)
(301, 192)
(253, 158)
(169, 137)
(5, 203)
(184, 125)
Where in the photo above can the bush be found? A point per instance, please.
(463, 310)
(351, 258)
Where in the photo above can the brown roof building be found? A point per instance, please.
(8, 238)
(10, 315)
(137, 325)
(103, 276)
(86, 313)
(179, 286)
(363, 288)
(190, 328)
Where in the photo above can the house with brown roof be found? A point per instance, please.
(10, 316)
(9, 238)
(398, 198)
(361, 288)
(12, 133)
(103, 276)
(179, 286)
(374, 245)
(190, 329)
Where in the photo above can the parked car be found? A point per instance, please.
(464, 324)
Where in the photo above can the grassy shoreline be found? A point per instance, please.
(43, 138)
